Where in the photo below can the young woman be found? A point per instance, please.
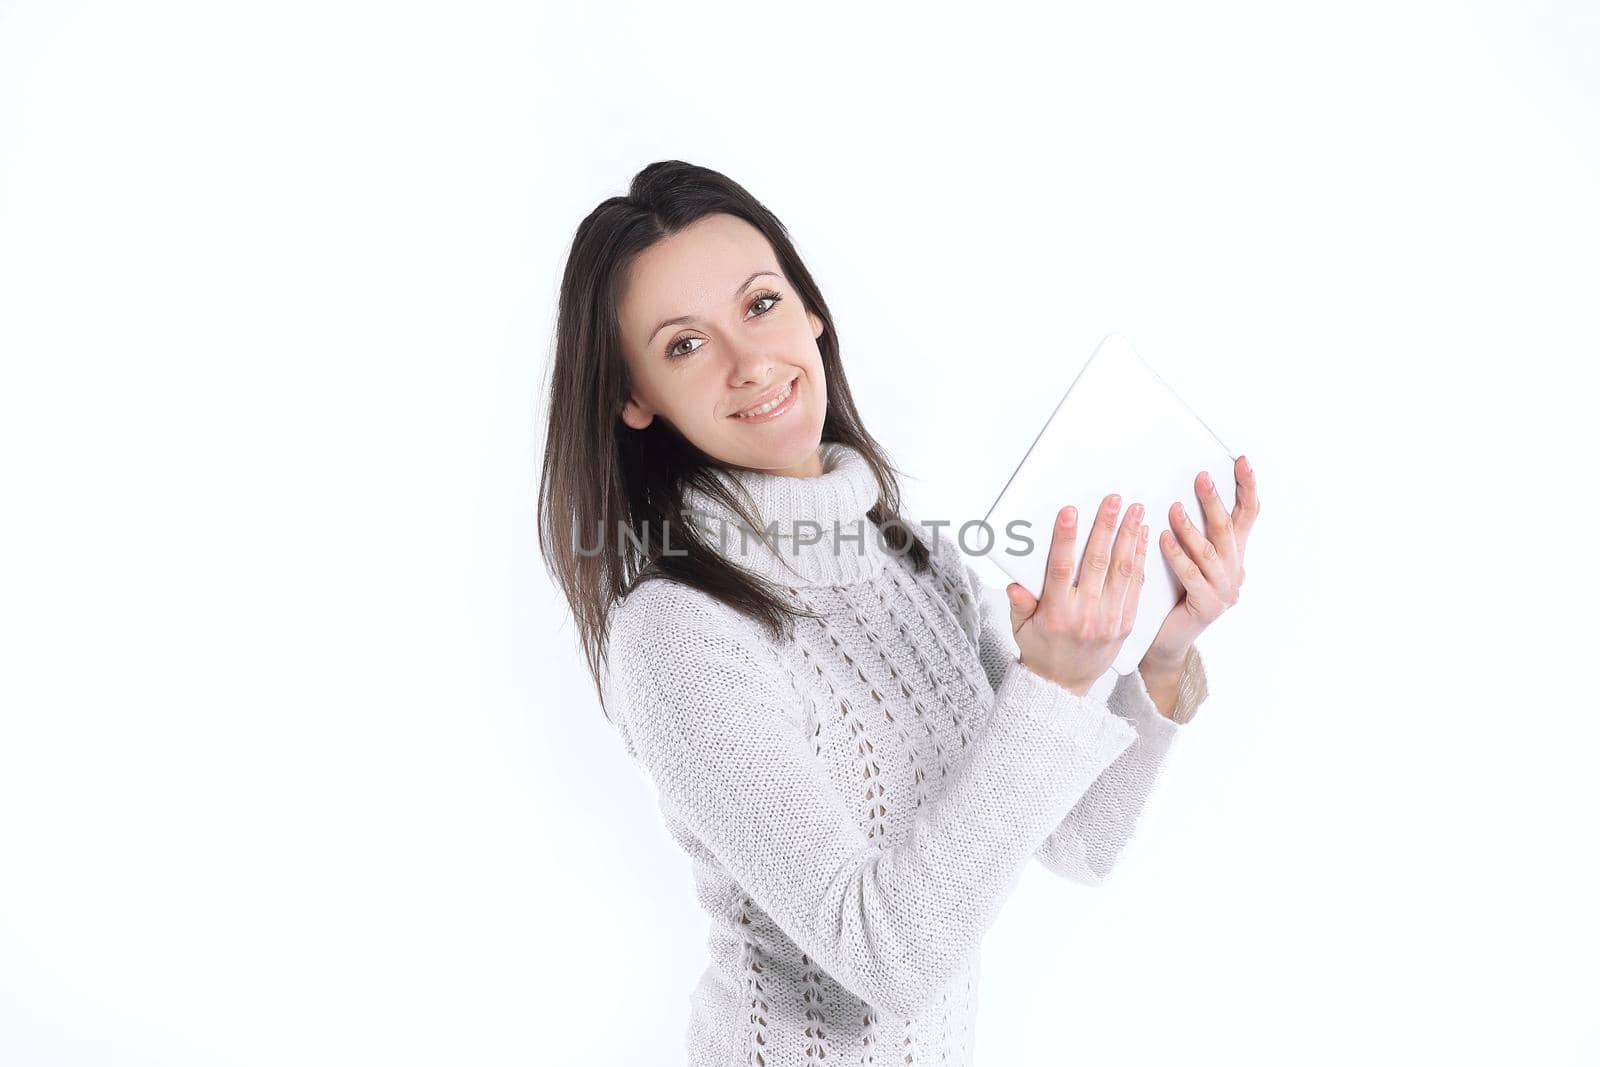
(856, 753)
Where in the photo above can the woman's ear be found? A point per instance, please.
(635, 415)
(816, 323)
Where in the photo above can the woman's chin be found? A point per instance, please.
(785, 450)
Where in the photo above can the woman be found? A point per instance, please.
(858, 756)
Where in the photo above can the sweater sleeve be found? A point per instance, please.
(711, 716)
(1085, 845)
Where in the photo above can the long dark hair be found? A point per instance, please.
(602, 478)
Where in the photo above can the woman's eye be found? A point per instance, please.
(673, 353)
(673, 350)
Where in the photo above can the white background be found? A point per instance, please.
(298, 760)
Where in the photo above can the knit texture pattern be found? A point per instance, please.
(858, 800)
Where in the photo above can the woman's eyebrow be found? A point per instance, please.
(664, 323)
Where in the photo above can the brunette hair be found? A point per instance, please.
(600, 477)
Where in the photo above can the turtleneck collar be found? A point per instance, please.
(818, 528)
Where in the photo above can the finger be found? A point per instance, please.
(1097, 554)
(1130, 603)
(1121, 575)
(1197, 591)
(1058, 564)
(1219, 524)
(1202, 551)
(1246, 502)
(1023, 605)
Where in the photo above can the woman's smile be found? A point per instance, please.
(776, 404)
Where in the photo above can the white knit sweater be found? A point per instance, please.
(859, 801)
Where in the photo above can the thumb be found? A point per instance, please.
(1022, 602)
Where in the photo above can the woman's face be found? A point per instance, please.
(711, 328)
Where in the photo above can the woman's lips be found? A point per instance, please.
(791, 386)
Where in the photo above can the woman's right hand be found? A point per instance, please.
(1071, 635)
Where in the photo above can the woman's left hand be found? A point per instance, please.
(1210, 565)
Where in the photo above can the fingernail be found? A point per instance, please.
(1246, 464)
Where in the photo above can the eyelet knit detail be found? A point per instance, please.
(923, 715)
(896, 578)
(919, 605)
(872, 823)
(869, 1037)
(944, 1025)
(755, 994)
(977, 680)
(908, 742)
(811, 995)
(954, 592)
(908, 1044)
(804, 694)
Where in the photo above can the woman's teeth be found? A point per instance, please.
(768, 406)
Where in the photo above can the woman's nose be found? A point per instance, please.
(751, 366)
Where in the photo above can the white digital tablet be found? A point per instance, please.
(1118, 429)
